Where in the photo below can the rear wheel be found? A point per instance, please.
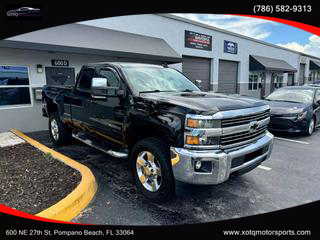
(59, 133)
(151, 168)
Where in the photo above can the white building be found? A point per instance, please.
(224, 61)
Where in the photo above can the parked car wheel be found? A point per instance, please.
(310, 128)
(59, 133)
(152, 171)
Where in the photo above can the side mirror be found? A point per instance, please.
(99, 87)
(198, 83)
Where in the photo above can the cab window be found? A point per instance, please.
(112, 80)
(85, 79)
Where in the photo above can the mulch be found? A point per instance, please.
(31, 181)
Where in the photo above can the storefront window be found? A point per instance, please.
(14, 86)
(253, 82)
(278, 83)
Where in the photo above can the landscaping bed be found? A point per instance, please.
(31, 181)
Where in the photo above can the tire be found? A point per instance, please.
(151, 168)
(311, 127)
(60, 134)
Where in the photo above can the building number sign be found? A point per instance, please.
(60, 63)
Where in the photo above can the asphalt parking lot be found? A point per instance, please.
(289, 178)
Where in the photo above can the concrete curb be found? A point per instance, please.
(70, 206)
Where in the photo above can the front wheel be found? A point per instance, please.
(151, 167)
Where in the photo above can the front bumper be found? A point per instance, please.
(287, 124)
(224, 162)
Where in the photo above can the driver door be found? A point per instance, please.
(106, 114)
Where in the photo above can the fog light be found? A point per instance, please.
(198, 164)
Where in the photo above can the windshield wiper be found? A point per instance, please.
(284, 101)
(157, 90)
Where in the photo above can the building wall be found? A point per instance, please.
(172, 31)
(29, 118)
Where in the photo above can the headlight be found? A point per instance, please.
(203, 123)
(202, 130)
(302, 115)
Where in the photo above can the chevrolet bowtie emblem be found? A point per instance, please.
(253, 126)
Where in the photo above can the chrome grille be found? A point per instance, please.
(247, 136)
(238, 128)
(230, 122)
(231, 140)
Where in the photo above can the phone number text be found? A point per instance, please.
(281, 8)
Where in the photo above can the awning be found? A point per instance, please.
(83, 39)
(314, 65)
(258, 63)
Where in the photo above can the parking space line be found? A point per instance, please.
(291, 140)
(264, 168)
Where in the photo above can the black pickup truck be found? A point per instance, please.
(161, 121)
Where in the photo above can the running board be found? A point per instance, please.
(92, 143)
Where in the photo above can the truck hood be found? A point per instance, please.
(203, 101)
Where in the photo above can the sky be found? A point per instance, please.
(268, 31)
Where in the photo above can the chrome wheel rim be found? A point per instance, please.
(148, 171)
(311, 127)
(54, 129)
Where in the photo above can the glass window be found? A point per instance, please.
(253, 82)
(11, 75)
(298, 95)
(143, 79)
(112, 80)
(278, 83)
(14, 96)
(250, 82)
(14, 86)
(86, 78)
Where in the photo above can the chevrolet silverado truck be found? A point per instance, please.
(162, 123)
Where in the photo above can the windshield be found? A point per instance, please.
(292, 95)
(145, 79)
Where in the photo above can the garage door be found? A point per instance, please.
(197, 69)
(228, 77)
